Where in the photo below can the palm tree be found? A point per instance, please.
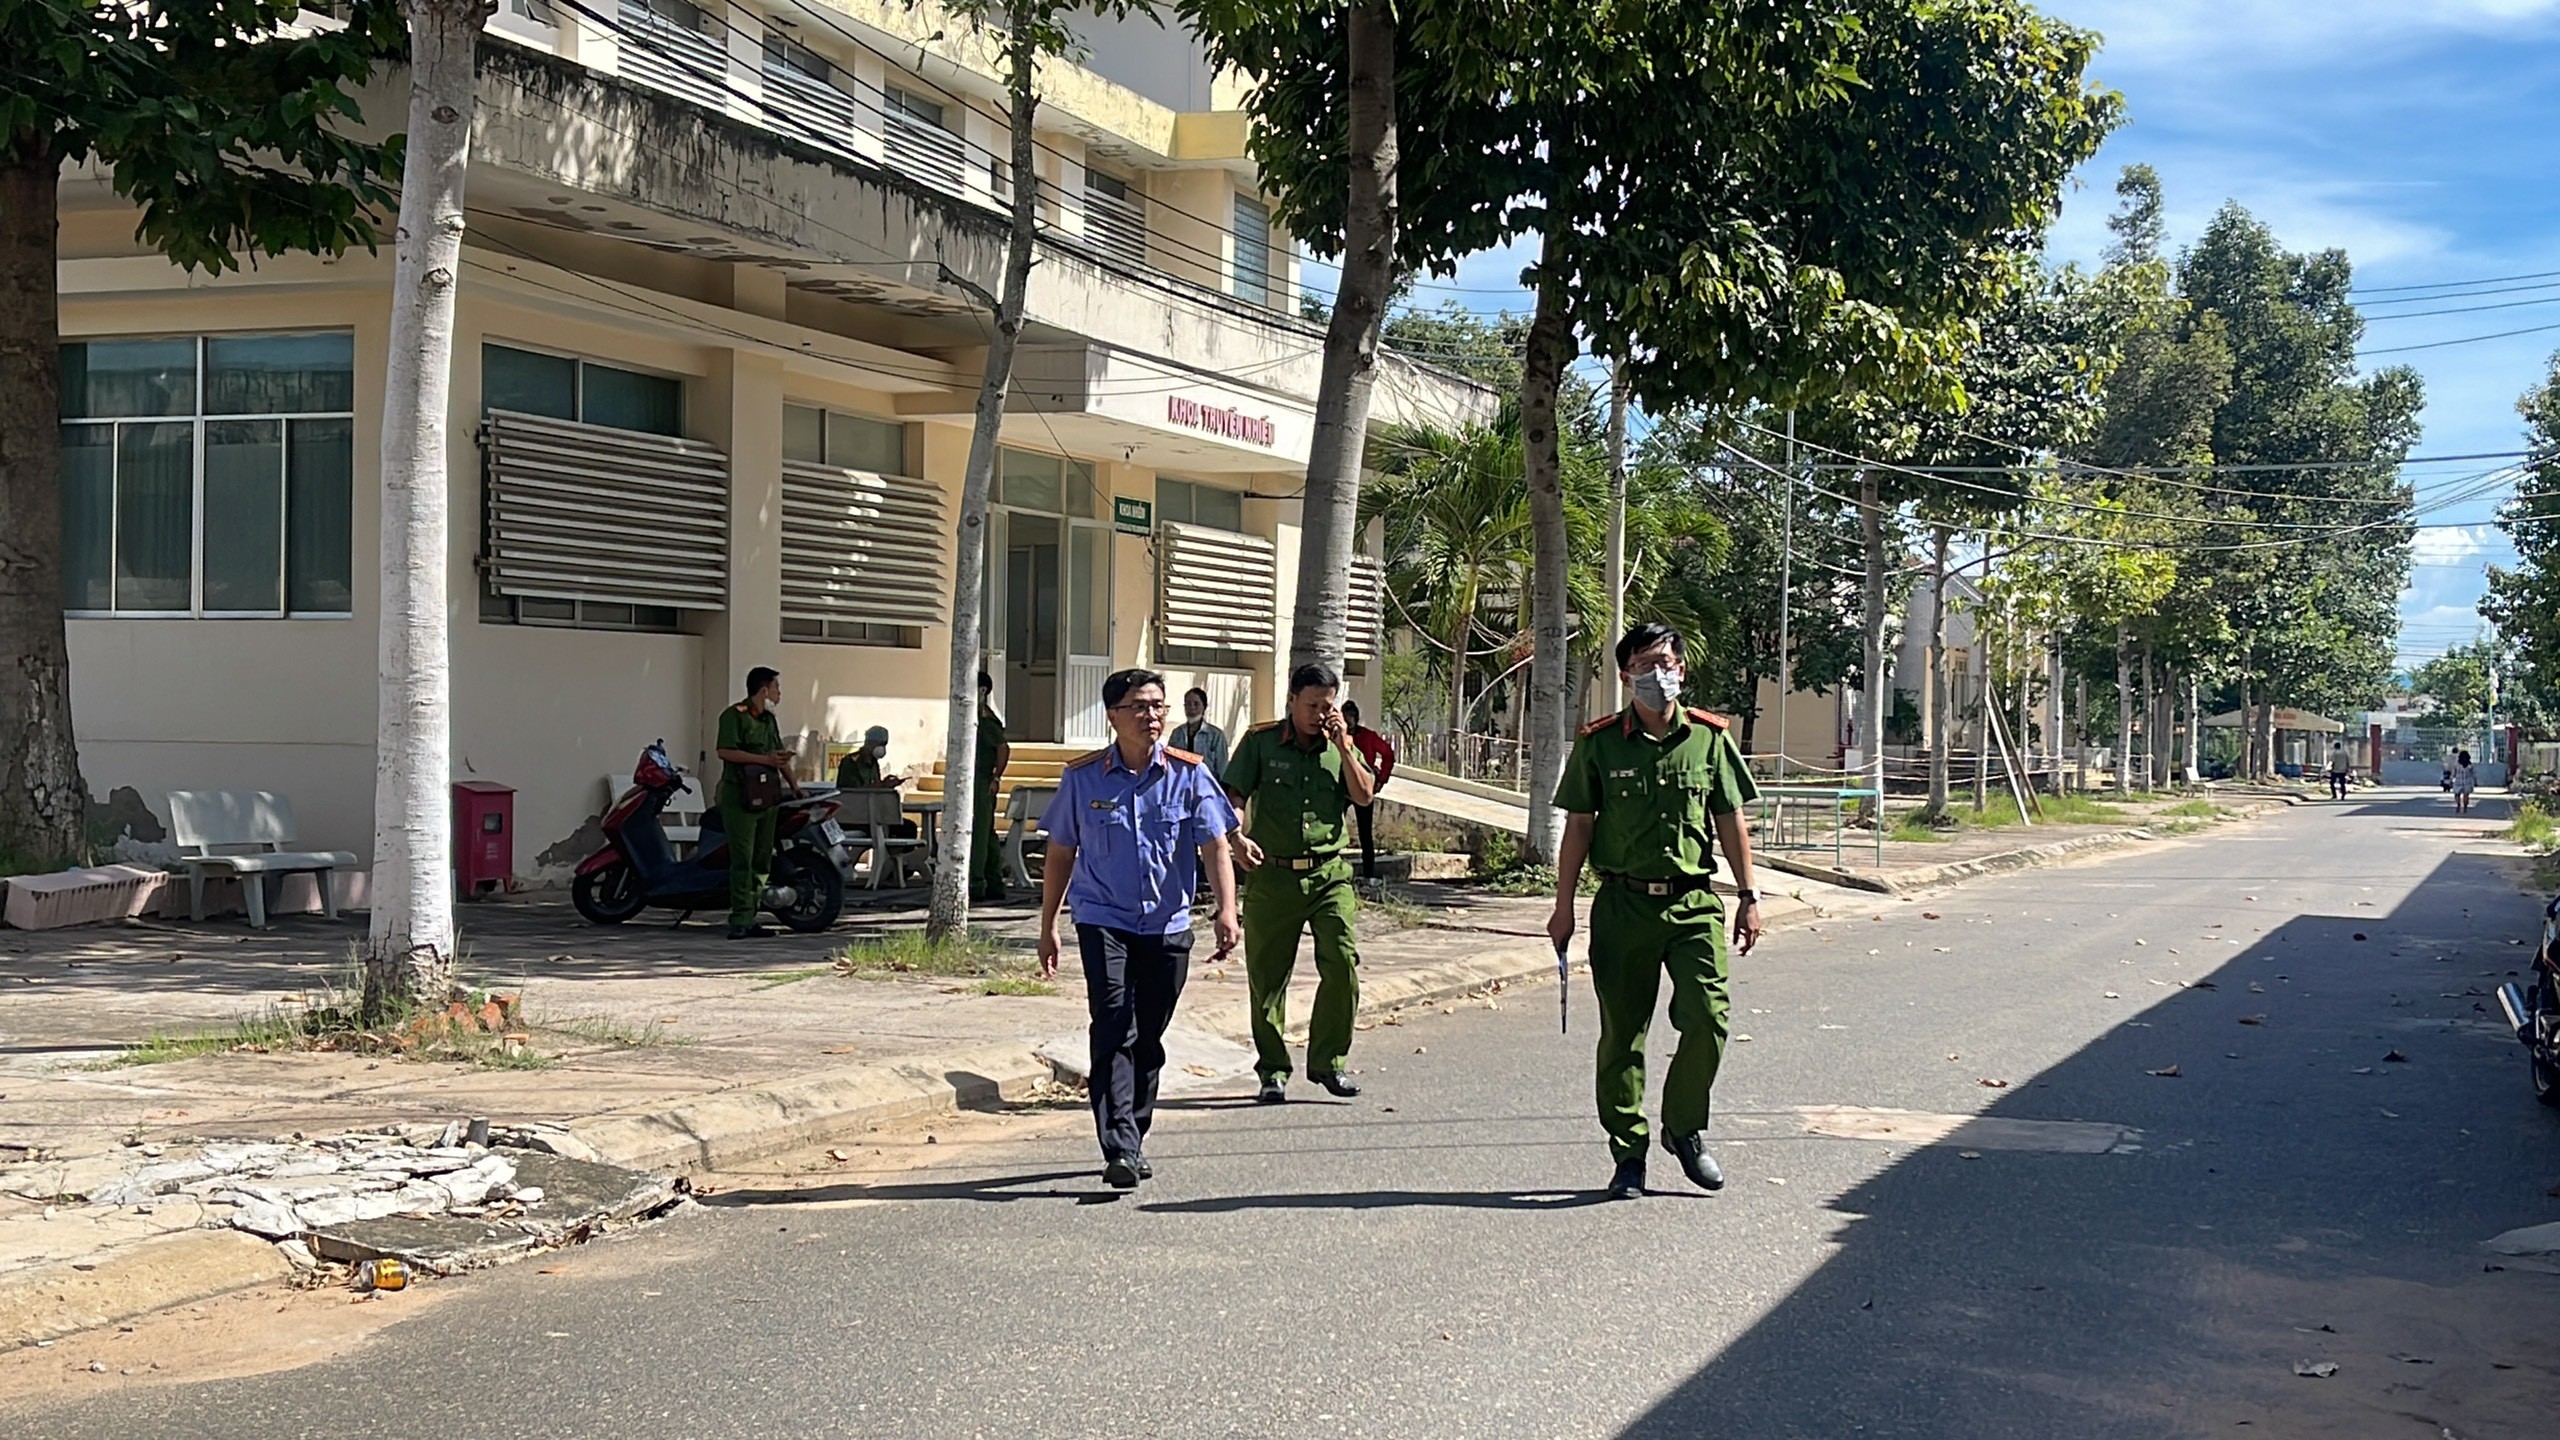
(1457, 526)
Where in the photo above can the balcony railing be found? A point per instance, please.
(812, 110)
(685, 63)
(924, 150)
(1117, 227)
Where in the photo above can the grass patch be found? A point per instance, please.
(780, 978)
(2534, 828)
(271, 1029)
(2194, 810)
(910, 953)
(1016, 986)
(2001, 813)
(605, 1030)
(1519, 879)
(471, 1025)
(1398, 911)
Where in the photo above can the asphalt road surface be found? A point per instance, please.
(2055, 1239)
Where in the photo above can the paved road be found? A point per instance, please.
(1432, 1260)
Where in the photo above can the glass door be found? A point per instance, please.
(1033, 562)
(1088, 631)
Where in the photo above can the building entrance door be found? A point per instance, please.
(1029, 592)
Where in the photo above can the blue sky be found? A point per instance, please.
(2417, 135)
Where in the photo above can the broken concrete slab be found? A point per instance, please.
(577, 1198)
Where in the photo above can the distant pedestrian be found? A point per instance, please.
(986, 857)
(2465, 780)
(2340, 769)
(1648, 795)
(1198, 736)
(1131, 826)
(755, 772)
(1380, 753)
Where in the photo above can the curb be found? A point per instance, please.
(53, 1301)
(1904, 882)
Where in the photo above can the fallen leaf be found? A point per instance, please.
(1953, 1056)
(838, 1156)
(1775, 1179)
(1199, 1070)
(552, 1270)
(1993, 1084)
(2141, 942)
(2396, 1058)
(2257, 989)
(1388, 1109)
(1365, 1025)
(1968, 1154)
(1928, 914)
(839, 1050)
(1943, 949)
(2165, 1073)
(2315, 1369)
(670, 1019)
(2413, 1359)
(1742, 1038)
(1421, 1049)
(2111, 995)
(2364, 1069)
(2359, 935)
(2390, 1114)
(2253, 1019)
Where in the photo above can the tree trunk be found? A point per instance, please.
(2080, 733)
(1459, 635)
(43, 801)
(1616, 560)
(409, 946)
(1939, 711)
(949, 913)
(1331, 510)
(2195, 729)
(2150, 725)
(2124, 710)
(2248, 726)
(1551, 347)
(1871, 695)
(2055, 737)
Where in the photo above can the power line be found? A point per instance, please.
(2465, 340)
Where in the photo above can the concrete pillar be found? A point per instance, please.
(740, 410)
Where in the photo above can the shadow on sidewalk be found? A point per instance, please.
(1389, 1200)
(1001, 1188)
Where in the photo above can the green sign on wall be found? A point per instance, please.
(1133, 517)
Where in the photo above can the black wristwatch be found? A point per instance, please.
(1750, 897)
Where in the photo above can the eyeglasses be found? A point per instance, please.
(1145, 711)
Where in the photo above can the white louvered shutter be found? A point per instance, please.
(861, 547)
(1220, 589)
(589, 512)
(1364, 633)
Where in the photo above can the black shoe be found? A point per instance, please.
(1337, 1082)
(1274, 1091)
(1628, 1183)
(748, 932)
(1701, 1167)
(1145, 1168)
(1121, 1172)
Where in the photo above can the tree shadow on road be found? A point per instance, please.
(2329, 1131)
(1387, 1200)
(999, 1188)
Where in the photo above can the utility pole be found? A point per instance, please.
(1616, 573)
(1786, 590)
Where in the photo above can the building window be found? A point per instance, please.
(1200, 657)
(578, 614)
(563, 388)
(1115, 217)
(848, 442)
(920, 137)
(853, 632)
(1051, 484)
(1253, 278)
(209, 476)
(1188, 502)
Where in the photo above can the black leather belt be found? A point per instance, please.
(1659, 889)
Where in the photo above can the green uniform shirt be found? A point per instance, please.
(741, 728)
(1655, 802)
(1298, 794)
(858, 771)
(990, 740)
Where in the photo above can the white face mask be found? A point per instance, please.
(1658, 690)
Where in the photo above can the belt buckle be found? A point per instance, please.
(1302, 862)
(1657, 888)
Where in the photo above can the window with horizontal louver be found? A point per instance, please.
(1219, 589)
(920, 139)
(595, 513)
(861, 547)
(664, 44)
(1115, 217)
(1364, 634)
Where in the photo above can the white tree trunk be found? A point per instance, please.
(1615, 562)
(2195, 729)
(1330, 513)
(2124, 710)
(949, 912)
(409, 947)
(1938, 711)
(1549, 726)
(1872, 696)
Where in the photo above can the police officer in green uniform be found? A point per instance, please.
(1648, 794)
(749, 735)
(986, 859)
(1300, 774)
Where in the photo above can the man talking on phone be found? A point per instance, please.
(1299, 775)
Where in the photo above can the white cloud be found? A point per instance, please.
(2453, 544)
(2272, 34)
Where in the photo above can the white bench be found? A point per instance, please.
(1023, 809)
(243, 834)
(871, 818)
(682, 817)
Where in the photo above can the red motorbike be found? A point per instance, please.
(2533, 1009)
(638, 867)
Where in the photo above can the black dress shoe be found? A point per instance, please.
(1145, 1168)
(1701, 1167)
(748, 932)
(1121, 1172)
(1273, 1092)
(1628, 1183)
(1337, 1082)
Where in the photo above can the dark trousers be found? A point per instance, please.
(2337, 784)
(1368, 842)
(1131, 982)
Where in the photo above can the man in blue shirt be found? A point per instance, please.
(1128, 832)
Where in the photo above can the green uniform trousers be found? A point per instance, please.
(986, 853)
(750, 835)
(1634, 939)
(1279, 905)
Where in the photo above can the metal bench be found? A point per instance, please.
(243, 834)
(1023, 809)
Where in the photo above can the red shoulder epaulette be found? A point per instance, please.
(1709, 717)
(1184, 756)
(1603, 723)
(1087, 758)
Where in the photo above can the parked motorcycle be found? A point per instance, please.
(638, 867)
(2533, 1009)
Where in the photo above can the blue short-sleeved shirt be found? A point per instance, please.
(1137, 836)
